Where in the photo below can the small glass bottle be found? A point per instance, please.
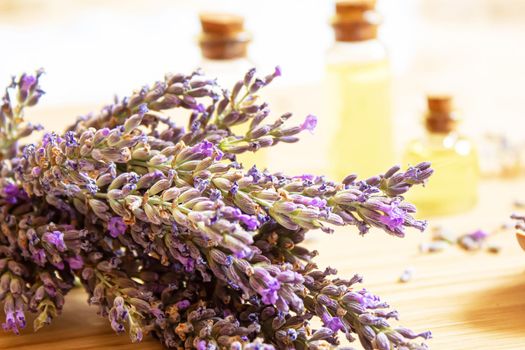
(453, 188)
(358, 96)
(224, 47)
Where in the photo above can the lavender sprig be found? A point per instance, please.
(23, 92)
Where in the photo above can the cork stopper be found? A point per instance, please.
(223, 36)
(440, 117)
(354, 20)
(351, 7)
(221, 23)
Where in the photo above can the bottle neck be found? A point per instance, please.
(224, 46)
(354, 31)
(440, 135)
(439, 122)
(221, 48)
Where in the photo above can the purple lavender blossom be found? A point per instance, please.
(333, 323)
(215, 194)
(255, 174)
(143, 109)
(310, 201)
(479, 235)
(75, 262)
(50, 138)
(10, 323)
(277, 71)
(250, 221)
(269, 296)
(104, 132)
(370, 300)
(70, 139)
(11, 192)
(116, 226)
(55, 238)
(183, 304)
(205, 148)
(39, 257)
(27, 82)
(234, 188)
(306, 177)
(91, 186)
(394, 217)
(309, 123)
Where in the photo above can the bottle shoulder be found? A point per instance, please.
(362, 51)
(452, 144)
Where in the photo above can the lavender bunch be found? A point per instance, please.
(170, 236)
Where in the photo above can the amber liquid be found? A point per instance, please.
(453, 186)
(359, 102)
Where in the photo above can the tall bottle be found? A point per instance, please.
(224, 48)
(358, 96)
(454, 185)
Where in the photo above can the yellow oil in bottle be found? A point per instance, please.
(359, 99)
(453, 186)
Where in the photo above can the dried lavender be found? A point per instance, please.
(170, 236)
(22, 93)
(407, 275)
(474, 240)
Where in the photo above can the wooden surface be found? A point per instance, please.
(470, 300)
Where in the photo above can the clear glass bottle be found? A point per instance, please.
(224, 47)
(358, 93)
(453, 188)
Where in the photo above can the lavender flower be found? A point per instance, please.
(55, 238)
(116, 226)
(309, 123)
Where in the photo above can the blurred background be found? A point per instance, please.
(470, 49)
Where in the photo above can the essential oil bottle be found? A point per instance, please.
(358, 93)
(224, 47)
(453, 188)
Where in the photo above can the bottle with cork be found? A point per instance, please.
(224, 48)
(358, 93)
(453, 188)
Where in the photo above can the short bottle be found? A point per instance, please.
(224, 47)
(453, 188)
(358, 93)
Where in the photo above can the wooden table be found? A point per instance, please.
(470, 300)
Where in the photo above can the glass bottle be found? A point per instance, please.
(224, 47)
(454, 185)
(358, 97)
